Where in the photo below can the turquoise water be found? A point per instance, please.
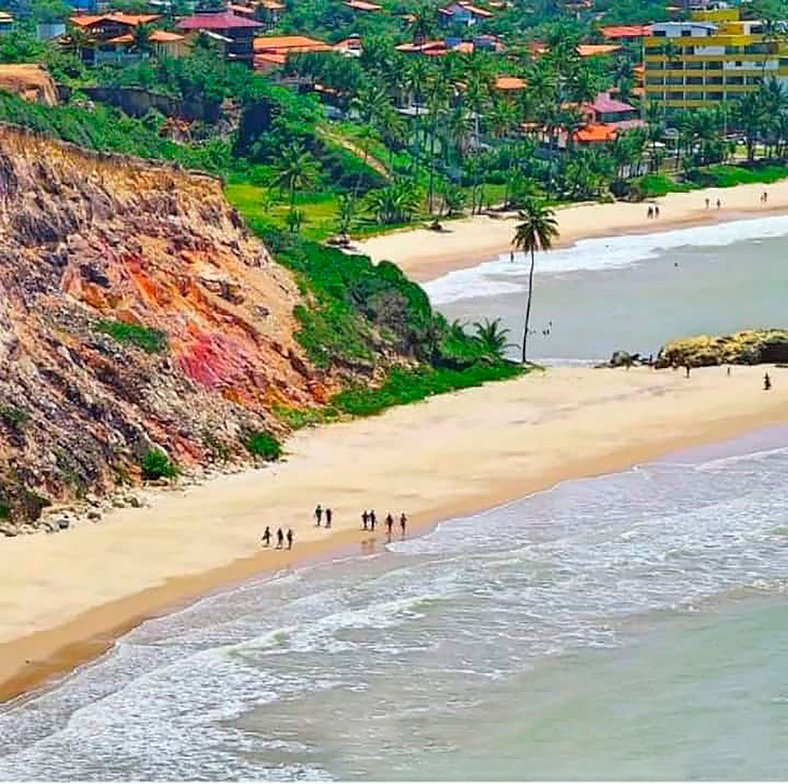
(630, 626)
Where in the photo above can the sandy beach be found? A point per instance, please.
(65, 597)
(425, 255)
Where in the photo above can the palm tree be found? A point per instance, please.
(492, 337)
(296, 170)
(537, 230)
(346, 212)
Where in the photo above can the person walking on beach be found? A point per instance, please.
(329, 515)
(764, 197)
(365, 519)
(687, 370)
(650, 212)
(280, 539)
(318, 515)
(729, 370)
(372, 520)
(389, 523)
(719, 204)
(767, 382)
(403, 521)
(267, 536)
(708, 203)
(656, 211)
(289, 538)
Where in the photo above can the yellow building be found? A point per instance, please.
(713, 57)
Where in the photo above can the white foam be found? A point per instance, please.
(484, 280)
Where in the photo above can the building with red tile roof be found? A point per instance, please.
(273, 51)
(622, 33)
(595, 133)
(597, 50)
(237, 32)
(509, 83)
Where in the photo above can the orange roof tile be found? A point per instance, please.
(626, 31)
(509, 83)
(593, 50)
(133, 20)
(280, 44)
(241, 9)
(272, 5)
(592, 133)
(165, 37)
(362, 5)
(270, 59)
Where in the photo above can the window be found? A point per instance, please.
(675, 96)
(713, 96)
(694, 96)
(694, 80)
(686, 33)
(714, 65)
(659, 33)
(735, 80)
(713, 80)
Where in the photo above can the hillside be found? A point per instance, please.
(94, 243)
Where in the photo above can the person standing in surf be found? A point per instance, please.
(318, 515)
(403, 521)
(267, 536)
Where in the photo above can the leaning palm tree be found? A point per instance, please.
(536, 231)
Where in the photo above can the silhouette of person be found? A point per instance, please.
(280, 539)
(729, 370)
(687, 370)
(329, 515)
(267, 536)
(289, 538)
(318, 514)
(365, 519)
(767, 382)
(403, 522)
(650, 212)
(719, 204)
(389, 523)
(372, 520)
(656, 211)
(708, 203)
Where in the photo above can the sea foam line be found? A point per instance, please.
(485, 280)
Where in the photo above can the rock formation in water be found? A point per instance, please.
(135, 313)
(750, 347)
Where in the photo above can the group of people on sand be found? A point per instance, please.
(369, 520)
(653, 211)
(281, 536)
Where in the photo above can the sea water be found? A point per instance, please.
(632, 292)
(632, 625)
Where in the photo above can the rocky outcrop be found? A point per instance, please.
(135, 313)
(750, 347)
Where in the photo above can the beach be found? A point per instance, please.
(425, 255)
(66, 597)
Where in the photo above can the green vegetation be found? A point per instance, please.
(263, 445)
(156, 465)
(151, 340)
(14, 417)
(403, 386)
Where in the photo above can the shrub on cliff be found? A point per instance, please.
(154, 341)
(263, 445)
(156, 465)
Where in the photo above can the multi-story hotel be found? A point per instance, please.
(713, 57)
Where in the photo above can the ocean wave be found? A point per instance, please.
(495, 278)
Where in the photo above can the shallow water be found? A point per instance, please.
(633, 625)
(633, 293)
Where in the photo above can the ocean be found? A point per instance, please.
(632, 292)
(633, 625)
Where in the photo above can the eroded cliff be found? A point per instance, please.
(91, 244)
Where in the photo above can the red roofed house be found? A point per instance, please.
(105, 30)
(235, 32)
(462, 13)
(608, 110)
(272, 51)
(595, 133)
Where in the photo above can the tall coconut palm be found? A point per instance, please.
(536, 231)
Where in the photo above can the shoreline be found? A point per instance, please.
(425, 255)
(483, 447)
